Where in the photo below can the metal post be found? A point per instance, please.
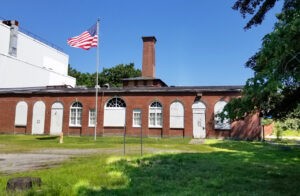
(124, 141)
(124, 135)
(141, 134)
(263, 132)
(97, 86)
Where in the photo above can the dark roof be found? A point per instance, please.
(173, 89)
(145, 78)
(140, 78)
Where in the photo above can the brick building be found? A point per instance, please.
(145, 103)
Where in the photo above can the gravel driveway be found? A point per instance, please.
(19, 162)
(46, 158)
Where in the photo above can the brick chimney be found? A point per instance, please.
(148, 68)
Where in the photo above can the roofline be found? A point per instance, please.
(145, 79)
(179, 89)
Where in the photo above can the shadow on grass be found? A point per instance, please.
(47, 138)
(237, 173)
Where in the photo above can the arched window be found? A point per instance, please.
(219, 124)
(116, 103)
(155, 115)
(76, 114)
(114, 112)
(176, 115)
(21, 114)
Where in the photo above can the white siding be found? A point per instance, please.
(36, 63)
(4, 38)
(16, 73)
(37, 53)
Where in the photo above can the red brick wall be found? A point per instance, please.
(148, 68)
(269, 129)
(249, 128)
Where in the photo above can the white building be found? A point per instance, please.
(28, 62)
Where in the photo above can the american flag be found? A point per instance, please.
(85, 40)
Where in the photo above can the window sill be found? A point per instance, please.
(152, 127)
(75, 126)
(218, 129)
(136, 126)
(113, 126)
(20, 125)
(176, 128)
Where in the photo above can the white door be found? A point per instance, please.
(57, 111)
(199, 120)
(38, 118)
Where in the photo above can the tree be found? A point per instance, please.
(112, 76)
(82, 79)
(275, 88)
(252, 7)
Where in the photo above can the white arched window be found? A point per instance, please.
(21, 114)
(114, 112)
(76, 114)
(176, 115)
(155, 115)
(225, 124)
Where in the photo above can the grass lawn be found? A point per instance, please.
(214, 168)
(291, 133)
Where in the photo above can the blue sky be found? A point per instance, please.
(198, 42)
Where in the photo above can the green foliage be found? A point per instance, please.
(287, 127)
(82, 79)
(112, 76)
(267, 121)
(252, 7)
(275, 88)
(291, 124)
(278, 130)
(291, 133)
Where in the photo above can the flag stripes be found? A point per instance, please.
(85, 40)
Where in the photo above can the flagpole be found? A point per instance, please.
(97, 85)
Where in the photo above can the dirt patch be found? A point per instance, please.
(20, 162)
(13, 163)
(46, 158)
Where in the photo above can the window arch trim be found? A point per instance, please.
(115, 102)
